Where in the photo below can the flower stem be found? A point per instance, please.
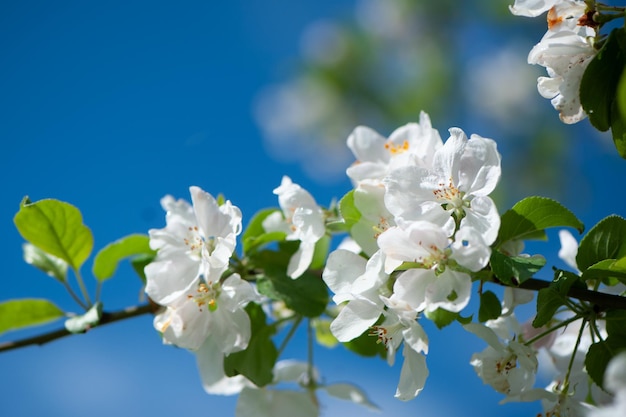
(552, 329)
(290, 334)
(83, 288)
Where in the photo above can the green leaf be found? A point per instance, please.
(139, 262)
(257, 361)
(350, 214)
(306, 295)
(599, 355)
(606, 240)
(616, 324)
(17, 314)
(618, 130)
(255, 235)
(530, 216)
(490, 307)
(106, 261)
(84, 322)
(323, 335)
(551, 298)
(320, 254)
(57, 228)
(513, 270)
(50, 264)
(600, 80)
(441, 317)
(605, 270)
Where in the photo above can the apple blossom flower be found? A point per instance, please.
(565, 51)
(375, 155)
(358, 283)
(455, 190)
(213, 310)
(507, 365)
(196, 244)
(400, 326)
(434, 282)
(301, 219)
(369, 200)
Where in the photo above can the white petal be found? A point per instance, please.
(569, 248)
(342, 268)
(354, 319)
(301, 260)
(449, 283)
(483, 217)
(169, 279)
(412, 376)
(531, 8)
(479, 166)
(210, 361)
(367, 145)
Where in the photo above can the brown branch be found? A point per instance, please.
(106, 318)
(602, 300)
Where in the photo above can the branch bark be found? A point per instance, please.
(107, 317)
(602, 300)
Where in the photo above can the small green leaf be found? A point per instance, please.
(50, 264)
(551, 298)
(57, 228)
(530, 216)
(17, 314)
(139, 262)
(606, 240)
(255, 235)
(257, 361)
(513, 270)
(106, 261)
(84, 322)
(306, 295)
(490, 307)
(350, 214)
(323, 334)
(441, 317)
(548, 302)
(320, 254)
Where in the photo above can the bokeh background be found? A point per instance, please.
(110, 106)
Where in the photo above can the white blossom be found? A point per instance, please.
(301, 219)
(413, 143)
(455, 189)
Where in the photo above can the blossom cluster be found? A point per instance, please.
(426, 223)
(565, 51)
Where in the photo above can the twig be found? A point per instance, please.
(602, 300)
(107, 317)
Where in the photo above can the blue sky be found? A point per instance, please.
(110, 107)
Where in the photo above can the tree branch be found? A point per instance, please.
(107, 317)
(602, 300)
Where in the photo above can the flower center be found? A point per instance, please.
(197, 244)
(391, 334)
(397, 149)
(451, 198)
(206, 295)
(380, 227)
